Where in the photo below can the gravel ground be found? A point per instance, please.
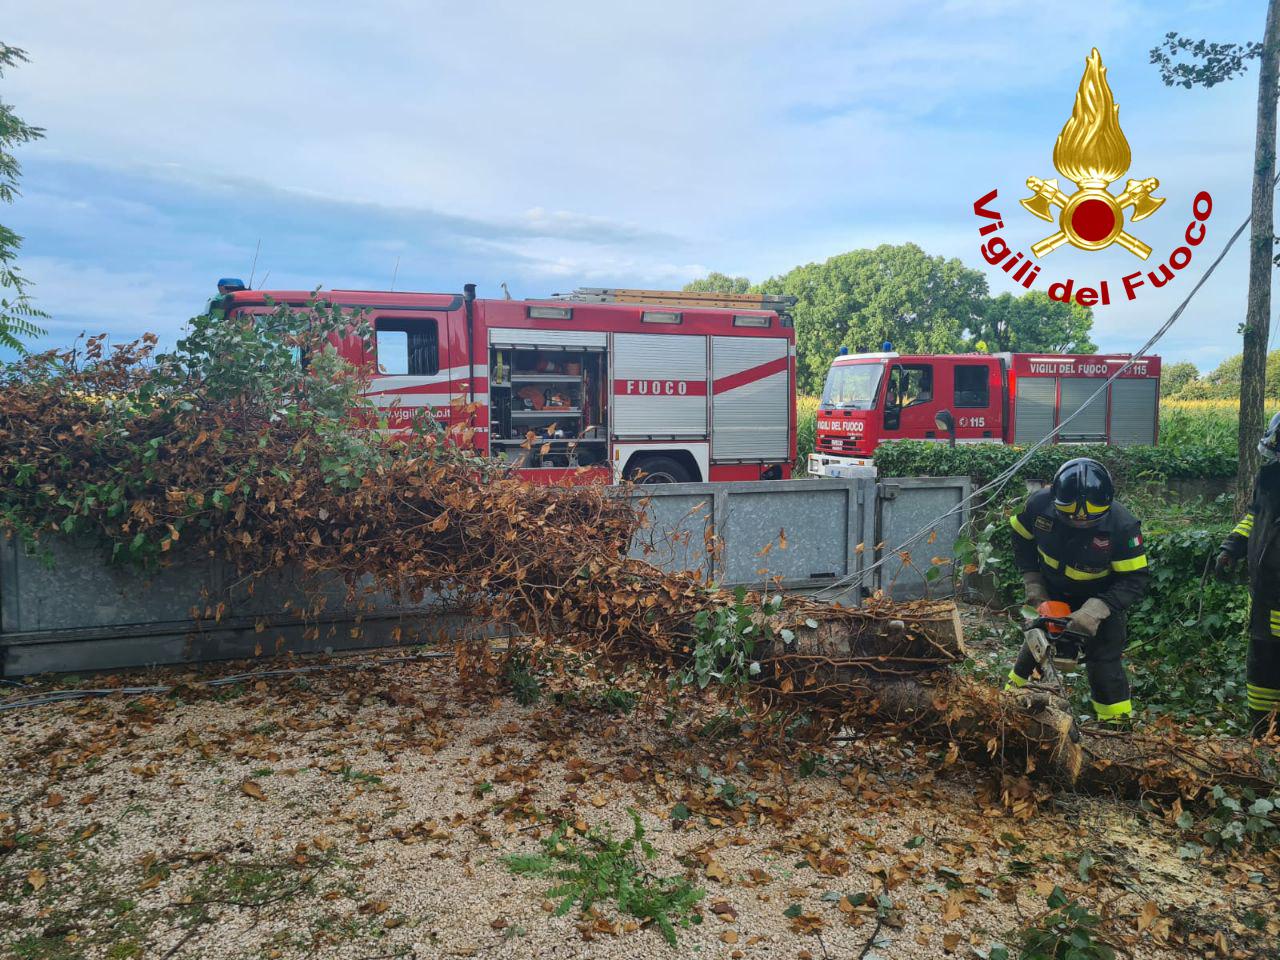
(368, 814)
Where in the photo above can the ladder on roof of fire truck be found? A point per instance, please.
(679, 298)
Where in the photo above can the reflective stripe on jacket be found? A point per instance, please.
(1107, 560)
(1255, 537)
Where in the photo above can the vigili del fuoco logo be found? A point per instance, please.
(1092, 152)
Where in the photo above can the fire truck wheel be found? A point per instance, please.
(657, 470)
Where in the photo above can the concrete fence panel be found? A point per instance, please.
(79, 612)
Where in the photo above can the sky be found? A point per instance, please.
(561, 144)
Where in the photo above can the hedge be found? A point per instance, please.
(984, 461)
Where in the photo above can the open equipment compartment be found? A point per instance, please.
(556, 391)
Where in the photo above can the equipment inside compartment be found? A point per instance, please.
(549, 406)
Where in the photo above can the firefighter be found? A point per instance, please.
(1255, 537)
(1072, 542)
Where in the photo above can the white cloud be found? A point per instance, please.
(580, 141)
(121, 303)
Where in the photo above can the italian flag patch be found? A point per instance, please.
(1135, 541)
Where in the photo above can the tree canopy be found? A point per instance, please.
(17, 313)
(1176, 377)
(1223, 381)
(1034, 322)
(715, 282)
(861, 299)
(919, 303)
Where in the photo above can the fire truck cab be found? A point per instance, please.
(869, 398)
(599, 385)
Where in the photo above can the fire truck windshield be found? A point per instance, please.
(852, 386)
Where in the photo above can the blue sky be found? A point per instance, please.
(573, 143)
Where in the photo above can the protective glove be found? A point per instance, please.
(1086, 620)
(1224, 566)
(1036, 590)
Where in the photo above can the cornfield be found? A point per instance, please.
(806, 429)
(1213, 422)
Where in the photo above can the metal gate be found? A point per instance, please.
(936, 506)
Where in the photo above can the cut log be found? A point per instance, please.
(1027, 733)
(927, 632)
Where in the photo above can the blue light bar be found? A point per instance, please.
(230, 285)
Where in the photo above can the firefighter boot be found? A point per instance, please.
(1023, 668)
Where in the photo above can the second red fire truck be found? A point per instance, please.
(1017, 398)
(648, 385)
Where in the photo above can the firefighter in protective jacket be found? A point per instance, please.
(1255, 536)
(1072, 542)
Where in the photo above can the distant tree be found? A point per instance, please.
(1223, 381)
(1187, 63)
(18, 315)
(860, 299)
(1175, 378)
(715, 282)
(1034, 322)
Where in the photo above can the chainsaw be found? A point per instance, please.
(1054, 649)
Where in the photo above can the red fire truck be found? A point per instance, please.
(988, 398)
(657, 386)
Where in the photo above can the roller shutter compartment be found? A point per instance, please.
(1034, 413)
(751, 399)
(1133, 411)
(659, 386)
(1091, 424)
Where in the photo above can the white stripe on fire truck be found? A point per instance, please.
(418, 401)
(453, 380)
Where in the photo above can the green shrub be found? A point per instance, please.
(984, 461)
(1069, 931)
(1187, 635)
(806, 430)
(525, 685)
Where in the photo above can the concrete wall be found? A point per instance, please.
(77, 612)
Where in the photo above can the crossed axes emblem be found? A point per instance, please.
(1091, 217)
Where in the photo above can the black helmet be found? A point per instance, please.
(1082, 492)
(1269, 445)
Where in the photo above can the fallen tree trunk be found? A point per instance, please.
(1027, 732)
(884, 667)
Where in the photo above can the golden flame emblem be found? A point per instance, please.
(1092, 151)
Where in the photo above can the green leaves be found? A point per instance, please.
(859, 299)
(18, 315)
(1033, 323)
(1236, 820)
(1188, 63)
(725, 644)
(597, 867)
(1070, 931)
